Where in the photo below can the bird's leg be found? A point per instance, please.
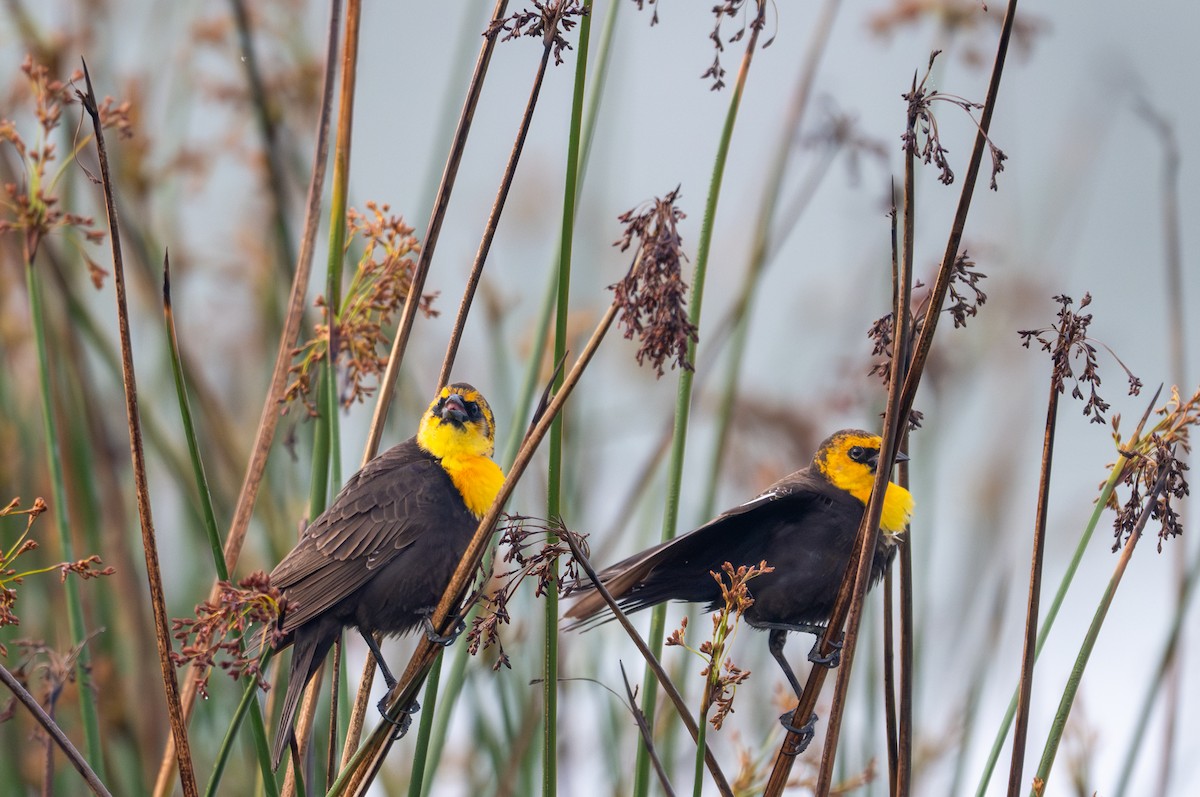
(806, 732)
(431, 633)
(404, 721)
(775, 644)
(388, 678)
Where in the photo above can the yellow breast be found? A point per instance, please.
(857, 479)
(897, 509)
(478, 480)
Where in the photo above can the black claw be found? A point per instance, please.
(433, 636)
(401, 723)
(834, 657)
(805, 732)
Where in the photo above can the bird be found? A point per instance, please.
(380, 557)
(804, 526)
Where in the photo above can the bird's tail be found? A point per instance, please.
(308, 652)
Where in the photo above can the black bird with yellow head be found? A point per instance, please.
(803, 525)
(380, 557)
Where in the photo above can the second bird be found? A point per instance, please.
(380, 557)
(804, 526)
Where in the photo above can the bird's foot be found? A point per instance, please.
(438, 639)
(804, 734)
(831, 659)
(401, 723)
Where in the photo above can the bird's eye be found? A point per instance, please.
(856, 453)
(473, 410)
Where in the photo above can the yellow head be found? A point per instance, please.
(458, 424)
(848, 460)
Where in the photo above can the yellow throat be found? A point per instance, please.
(857, 478)
(464, 453)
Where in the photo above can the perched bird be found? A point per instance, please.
(380, 557)
(804, 526)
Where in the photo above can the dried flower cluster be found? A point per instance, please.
(56, 668)
(519, 535)
(729, 9)
(966, 297)
(920, 113)
(216, 635)
(653, 296)
(722, 676)
(32, 206)
(1068, 340)
(1149, 458)
(377, 291)
(548, 21)
(9, 552)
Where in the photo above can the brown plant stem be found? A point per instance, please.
(404, 329)
(1025, 690)
(493, 220)
(339, 186)
(269, 418)
(902, 297)
(428, 244)
(162, 631)
(903, 779)
(890, 718)
(53, 732)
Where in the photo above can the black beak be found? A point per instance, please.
(873, 461)
(454, 410)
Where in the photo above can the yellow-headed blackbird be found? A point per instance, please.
(804, 526)
(380, 557)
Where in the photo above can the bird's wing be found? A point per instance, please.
(379, 513)
(729, 533)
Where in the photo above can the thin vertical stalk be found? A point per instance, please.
(683, 396)
(257, 725)
(149, 542)
(263, 115)
(1051, 616)
(416, 778)
(1025, 690)
(1169, 655)
(776, 168)
(604, 53)
(903, 352)
(1089, 641)
(554, 479)
(326, 468)
(1176, 334)
(62, 521)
